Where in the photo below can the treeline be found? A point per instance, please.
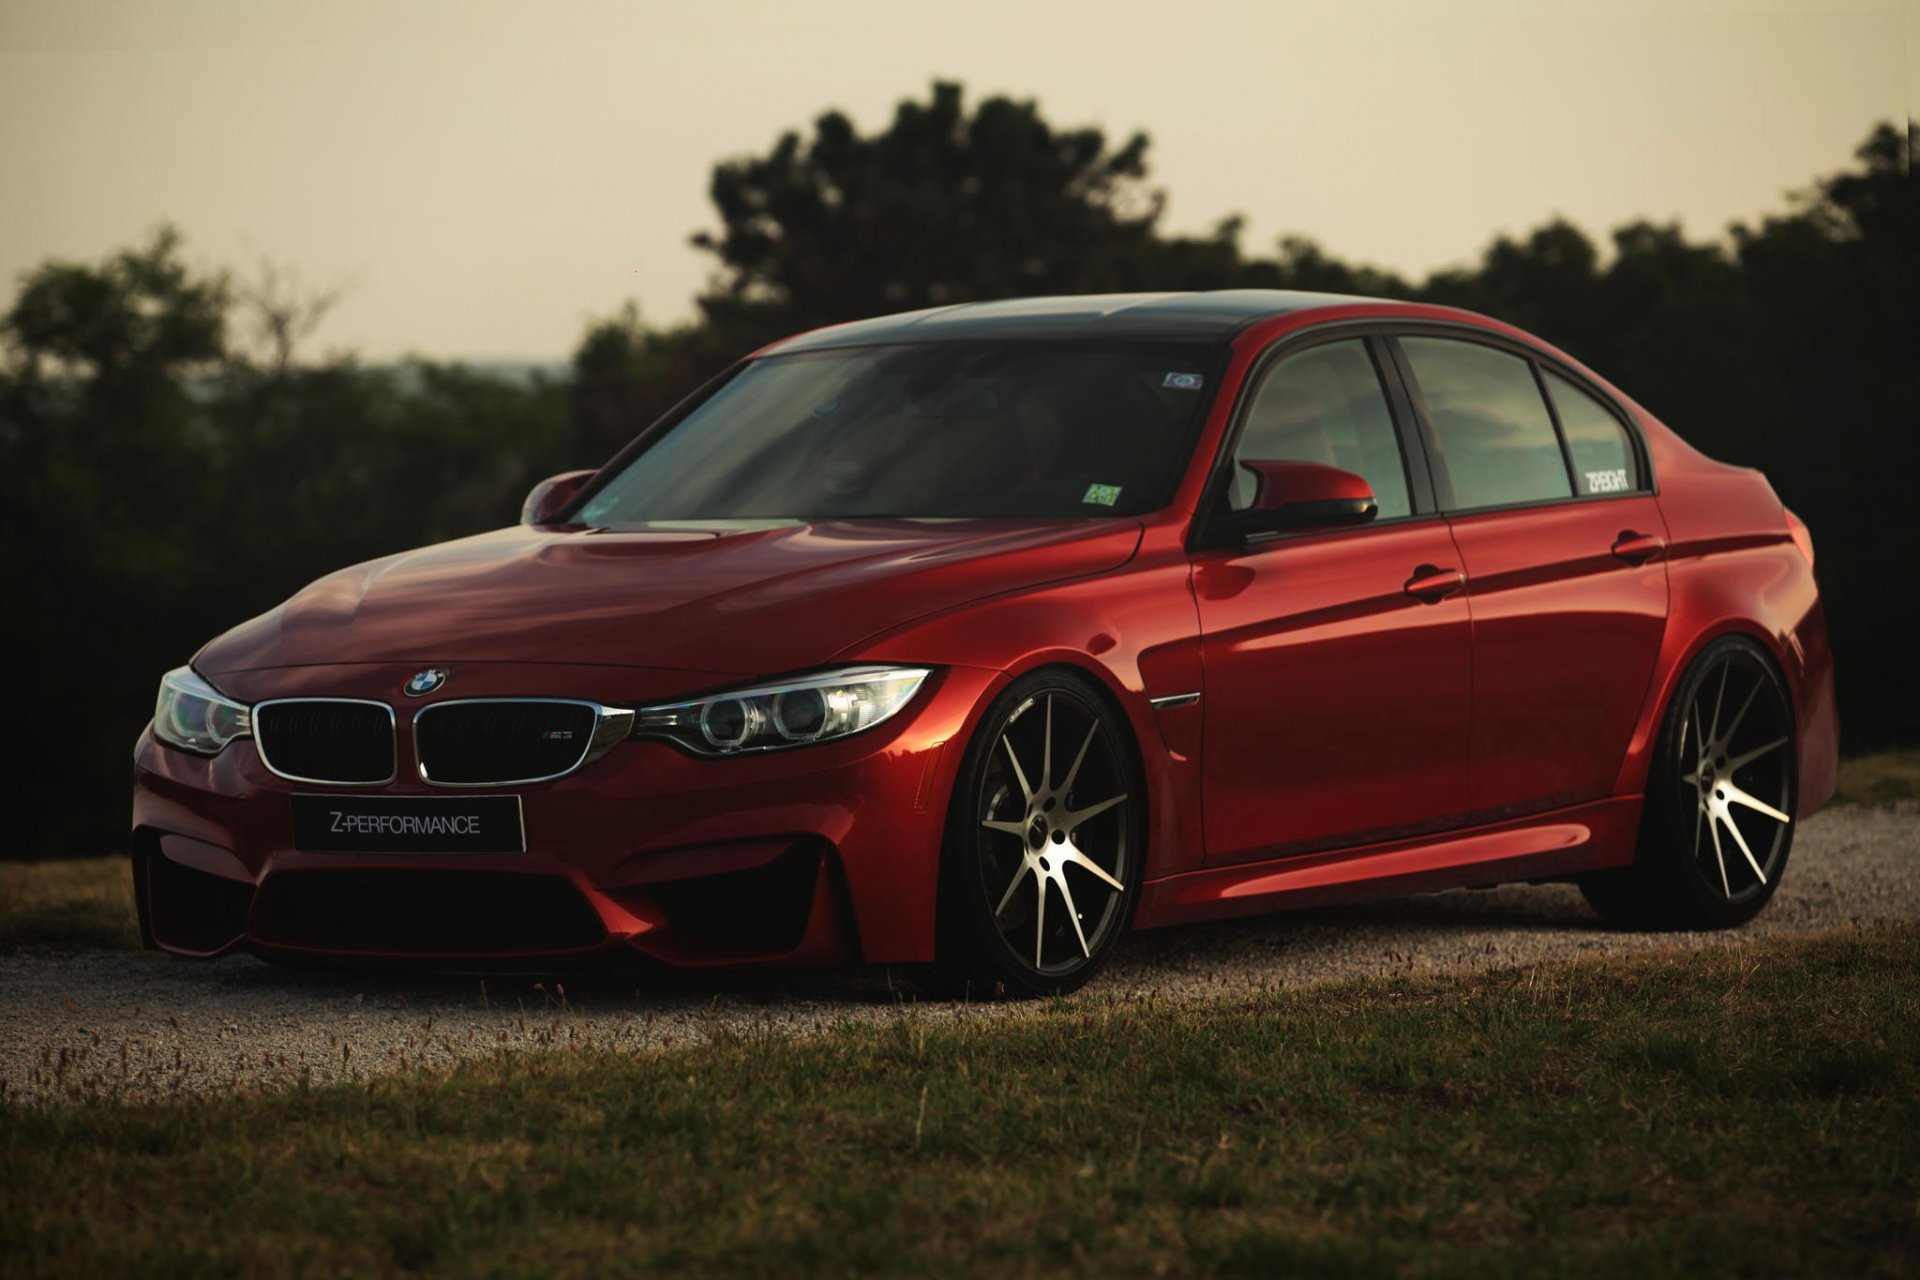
(170, 462)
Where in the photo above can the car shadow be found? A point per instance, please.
(1319, 940)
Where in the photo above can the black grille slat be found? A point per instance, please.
(497, 743)
(323, 740)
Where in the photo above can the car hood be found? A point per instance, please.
(747, 599)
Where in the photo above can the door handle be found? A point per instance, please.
(1432, 585)
(1638, 548)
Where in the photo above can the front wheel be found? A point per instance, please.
(1718, 823)
(1045, 841)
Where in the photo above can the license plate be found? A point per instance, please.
(408, 824)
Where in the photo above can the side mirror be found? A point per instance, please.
(551, 496)
(1304, 495)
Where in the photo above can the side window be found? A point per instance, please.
(1603, 457)
(1325, 405)
(1496, 439)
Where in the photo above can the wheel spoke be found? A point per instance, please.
(1073, 916)
(1713, 734)
(1071, 819)
(1719, 854)
(1082, 861)
(1046, 751)
(1733, 829)
(1039, 919)
(1012, 886)
(1741, 714)
(1020, 775)
(1736, 796)
(1009, 828)
(1079, 759)
(1741, 762)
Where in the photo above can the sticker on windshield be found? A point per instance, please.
(1182, 381)
(1613, 481)
(1102, 495)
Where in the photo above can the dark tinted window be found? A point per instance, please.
(1325, 405)
(1496, 440)
(1603, 457)
(1028, 429)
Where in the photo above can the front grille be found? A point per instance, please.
(326, 740)
(407, 912)
(501, 742)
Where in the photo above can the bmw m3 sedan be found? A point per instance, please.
(970, 639)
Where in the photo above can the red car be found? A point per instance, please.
(974, 637)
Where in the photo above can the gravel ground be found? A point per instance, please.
(141, 1026)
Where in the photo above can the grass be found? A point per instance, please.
(1753, 1111)
(67, 904)
(1880, 778)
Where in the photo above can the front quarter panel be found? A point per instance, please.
(1134, 632)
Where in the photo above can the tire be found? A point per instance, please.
(1046, 838)
(1717, 824)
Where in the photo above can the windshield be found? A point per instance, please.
(1029, 430)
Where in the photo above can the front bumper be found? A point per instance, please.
(826, 853)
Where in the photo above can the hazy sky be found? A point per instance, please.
(486, 177)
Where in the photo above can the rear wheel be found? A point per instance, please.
(1044, 843)
(1720, 800)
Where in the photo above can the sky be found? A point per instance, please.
(483, 178)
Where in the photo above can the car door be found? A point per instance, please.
(1546, 489)
(1338, 662)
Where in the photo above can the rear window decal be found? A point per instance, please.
(1613, 481)
(1104, 495)
(1182, 381)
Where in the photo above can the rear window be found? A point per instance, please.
(1497, 445)
(1603, 456)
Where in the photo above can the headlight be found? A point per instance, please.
(192, 715)
(789, 714)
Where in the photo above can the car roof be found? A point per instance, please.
(1182, 317)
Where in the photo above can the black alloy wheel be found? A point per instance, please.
(1046, 838)
(1718, 823)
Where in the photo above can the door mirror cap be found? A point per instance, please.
(1304, 495)
(551, 496)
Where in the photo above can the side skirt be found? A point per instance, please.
(1541, 846)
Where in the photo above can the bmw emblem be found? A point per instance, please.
(426, 682)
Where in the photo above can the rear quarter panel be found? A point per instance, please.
(1733, 568)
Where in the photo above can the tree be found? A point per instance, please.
(1830, 405)
(171, 463)
(170, 466)
(944, 206)
(625, 375)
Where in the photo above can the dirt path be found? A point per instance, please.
(139, 1025)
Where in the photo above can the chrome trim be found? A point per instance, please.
(1173, 700)
(611, 725)
(393, 743)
